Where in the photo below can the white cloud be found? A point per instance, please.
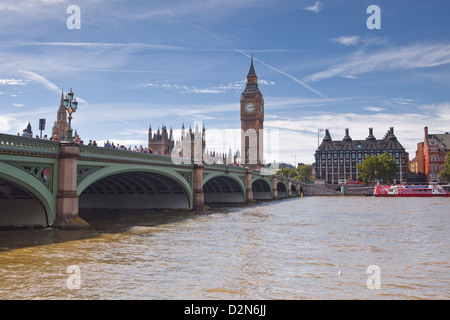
(7, 124)
(266, 82)
(364, 42)
(314, 8)
(106, 45)
(398, 101)
(407, 57)
(183, 88)
(33, 76)
(347, 40)
(374, 109)
(287, 103)
(12, 82)
(214, 89)
(349, 76)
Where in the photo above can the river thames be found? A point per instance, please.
(310, 248)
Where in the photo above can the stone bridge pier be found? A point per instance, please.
(199, 196)
(67, 196)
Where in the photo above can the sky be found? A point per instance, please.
(320, 65)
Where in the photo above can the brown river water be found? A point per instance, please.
(310, 248)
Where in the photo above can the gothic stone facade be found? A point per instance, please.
(161, 142)
(190, 143)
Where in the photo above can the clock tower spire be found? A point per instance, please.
(252, 120)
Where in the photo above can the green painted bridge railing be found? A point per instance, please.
(23, 145)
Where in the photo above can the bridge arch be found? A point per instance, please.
(220, 188)
(282, 189)
(262, 189)
(294, 189)
(24, 200)
(136, 187)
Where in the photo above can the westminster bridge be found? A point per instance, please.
(46, 183)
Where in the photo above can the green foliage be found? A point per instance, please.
(387, 168)
(301, 173)
(374, 168)
(445, 174)
(368, 170)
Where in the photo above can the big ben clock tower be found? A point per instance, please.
(252, 119)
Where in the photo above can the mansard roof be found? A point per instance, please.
(442, 140)
(389, 142)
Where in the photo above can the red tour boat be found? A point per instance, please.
(432, 190)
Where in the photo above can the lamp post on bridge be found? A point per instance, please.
(71, 105)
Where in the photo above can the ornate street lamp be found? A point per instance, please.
(71, 104)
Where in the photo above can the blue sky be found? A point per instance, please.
(138, 63)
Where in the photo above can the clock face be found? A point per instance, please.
(249, 107)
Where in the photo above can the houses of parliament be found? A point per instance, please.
(193, 141)
(252, 120)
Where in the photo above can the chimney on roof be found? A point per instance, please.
(370, 137)
(426, 131)
(327, 135)
(390, 133)
(347, 136)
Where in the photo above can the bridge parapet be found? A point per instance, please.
(226, 168)
(28, 146)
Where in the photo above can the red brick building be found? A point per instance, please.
(435, 149)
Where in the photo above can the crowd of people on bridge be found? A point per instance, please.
(110, 144)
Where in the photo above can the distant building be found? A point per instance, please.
(435, 149)
(27, 132)
(336, 160)
(161, 142)
(417, 166)
(193, 142)
(190, 143)
(60, 125)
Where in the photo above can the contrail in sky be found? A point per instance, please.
(284, 73)
(262, 62)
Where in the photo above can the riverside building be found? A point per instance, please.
(336, 160)
(435, 149)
